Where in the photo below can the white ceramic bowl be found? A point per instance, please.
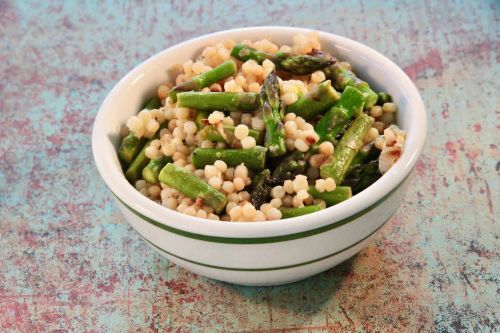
(260, 253)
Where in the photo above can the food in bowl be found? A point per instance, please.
(255, 131)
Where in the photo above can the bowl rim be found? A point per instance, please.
(265, 231)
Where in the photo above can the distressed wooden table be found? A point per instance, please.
(68, 260)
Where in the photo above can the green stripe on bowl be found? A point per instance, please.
(262, 240)
(265, 268)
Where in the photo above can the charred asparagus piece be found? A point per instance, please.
(261, 188)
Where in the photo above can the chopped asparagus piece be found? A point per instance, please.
(349, 105)
(223, 101)
(135, 169)
(203, 80)
(253, 158)
(315, 102)
(346, 149)
(288, 212)
(331, 198)
(366, 153)
(342, 78)
(192, 186)
(129, 148)
(273, 112)
(244, 53)
(304, 64)
(290, 166)
(152, 170)
(361, 176)
(260, 188)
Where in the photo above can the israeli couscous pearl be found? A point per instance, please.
(371, 135)
(326, 148)
(241, 171)
(278, 192)
(215, 182)
(329, 184)
(228, 187)
(318, 77)
(248, 210)
(320, 185)
(248, 142)
(215, 117)
(389, 107)
(300, 145)
(258, 124)
(241, 132)
(300, 183)
(376, 111)
(289, 98)
(246, 119)
(273, 214)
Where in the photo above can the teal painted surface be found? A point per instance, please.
(68, 260)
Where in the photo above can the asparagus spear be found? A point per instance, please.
(152, 170)
(254, 158)
(132, 145)
(260, 188)
(350, 104)
(203, 80)
(192, 187)
(346, 149)
(288, 212)
(315, 102)
(243, 52)
(223, 101)
(383, 98)
(331, 198)
(273, 112)
(296, 64)
(342, 78)
(304, 64)
(291, 165)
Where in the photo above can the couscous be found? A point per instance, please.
(255, 131)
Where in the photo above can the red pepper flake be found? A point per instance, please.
(310, 140)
